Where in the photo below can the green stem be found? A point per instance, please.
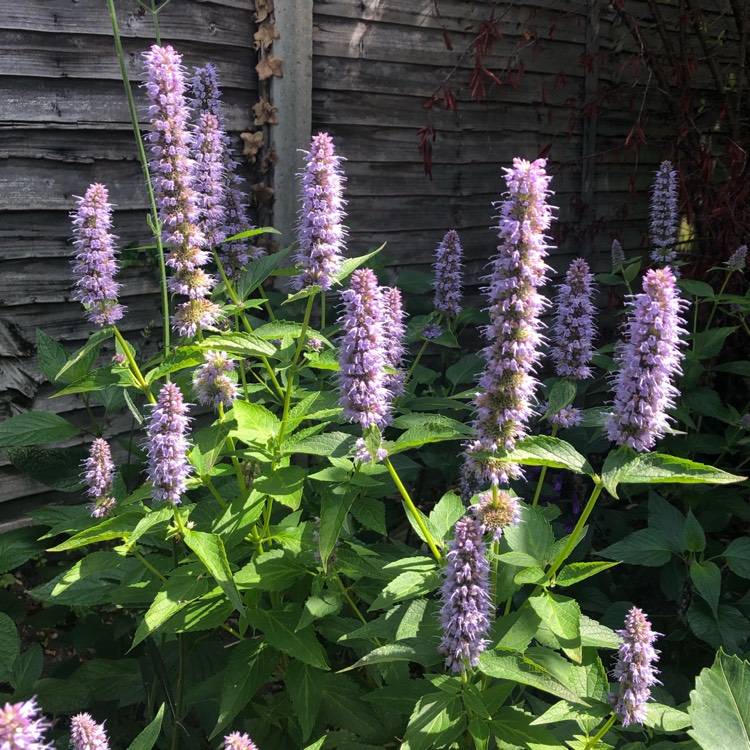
(155, 16)
(212, 489)
(542, 475)
(136, 371)
(322, 311)
(560, 559)
(292, 368)
(235, 460)
(266, 303)
(416, 362)
(138, 556)
(413, 510)
(715, 305)
(353, 604)
(156, 226)
(595, 739)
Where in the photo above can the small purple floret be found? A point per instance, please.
(664, 214)
(465, 615)
(212, 382)
(167, 445)
(237, 741)
(432, 331)
(649, 358)
(86, 734)
(635, 668)
(448, 274)
(95, 264)
(574, 327)
(568, 416)
(21, 728)
(321, 232)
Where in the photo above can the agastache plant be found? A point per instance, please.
(503, 407)
(95, 263)
(663, 214)
(167, 445)
(574, 326)
(448, 268)
(465, 615)
(86, 734)
(363, 394)
(649, 358)
(173, 177)
(99, 476)
(321, 232)
(22, 728)
(635, 670)
(393, 339)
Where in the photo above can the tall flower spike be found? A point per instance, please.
(448, 274)
(99, 475)
(86, 734)
(209, 177)
(574, 327)
(465, 615)
(648, 358)
(503, 406)
(173, 180)
(212, 382)
(167, 445)
(664, 214)
(618, 254)
(393, 338)
(635, 668)
(737, 260)
(237, 741)
(234, 255)
(95, 265)
(321, 232)
(21, 727)
(364, 398)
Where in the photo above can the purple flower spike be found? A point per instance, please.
(448, 274)
(574, 327)
(237, 741)
(95, 265)
(635, 668)
(86, 734)
(208, 174)
(503, 407)
(167, 445)
(496, 514)
(393, 338)
(212, 383)
(321, 233)
(664, 214)
(21, 728)
(649, 358)
(737, 260)
(99, 476)
(465, 615)
(195, 314)
(364, 397)
(568, 416)
(618, 254)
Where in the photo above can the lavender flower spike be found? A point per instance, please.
(618, 254)
(86, 734)
(208, 175)
(664, 214)
(167, 445)
(364, 397)
(737, 260)
(574, 327)
(321, 233)
(212, 383)
(466, 600)
(95, 265)
(448, 274)
(21, 728)
(635, 668)
(503, 407)
(648, 358)
(393, 338)
(237, 741)
(99, 475)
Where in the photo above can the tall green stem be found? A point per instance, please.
(591, 744)
(156, 225)
(413, 510)
(133, 365)
(542, 475)
(716, 302)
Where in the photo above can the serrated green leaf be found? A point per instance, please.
(148, 737)
(335, 444)
(255, 423)
(86, 354)
(533, 537)
(737, 555)
(434, 432)
(334, 508)
(10, 646)
(370, 512)
(706, 578)
(693, 536)
(118, 527)
(285, 484)
(27, 669)
(667, 520)
(437, 720)
(52, 355)
(666, 718)
(35, 428)
(515, 631)
(721, 699)
(514, 726)
(563, 617)
(575, 572)
(407, 585)
(543, 450)
(708, 344)
(562, 394)
(728, 629)
(414, 650)
(258, 271)
(644, 547)
(208, 444)
(443, 516)
(211, 552)
(466, 370)
(19, 545)
(595, 634)
(303, 684)
(274, 570)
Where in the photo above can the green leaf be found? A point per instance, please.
(334, 444)
(52, 355)
(98, 380)
(693, 536)
(522, 669)
(147, 738)
(737, 555)
(274, 570)
(207, 445)
(444, 515)
(10, 646)
(285, 485)
(19, 545)
(708, 344)
(466, 370)
(563, 617)
(575, 572)
(741, 367)
(432, 432)
(415, 650)
(370, 512)
(407, 585)
(514, 726)
(255, 423)
(27, 669)
(250, 666)
(211, 552)
(437, 720)
(533, 536)
(179, 359)
(515, 631)
(728, 629)
(240, 344)
(317, 607)
(666, 718)
(334, 508)
(561, 395)
(278, 627)
(595, 634)
(667, 520)
(542, 450)
(720, 705)
(258, 271)
(59, 468)
(589, 679)
(118, 527)
(86, 356)
(645, 547)
(696, 288)
(303, 685)
(35, 428)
